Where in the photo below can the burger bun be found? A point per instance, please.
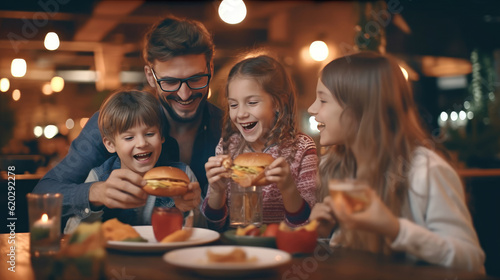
(166, 181)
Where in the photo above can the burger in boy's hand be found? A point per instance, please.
(248, 169)
(166, 181)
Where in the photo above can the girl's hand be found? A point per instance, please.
(376, 218)
(218, 177)
(217, 174)
(323, 213)
(279, 172)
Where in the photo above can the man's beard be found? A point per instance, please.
(176, 116)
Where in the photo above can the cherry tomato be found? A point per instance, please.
(253, 232)
(271, 230)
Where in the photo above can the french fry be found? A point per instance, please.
(178, 236)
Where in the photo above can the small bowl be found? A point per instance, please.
(257, 241)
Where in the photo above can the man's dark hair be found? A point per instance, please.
(173, 37)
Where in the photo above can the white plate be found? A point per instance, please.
(195, 259)
(199, 236)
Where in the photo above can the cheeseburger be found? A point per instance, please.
(166, 181)
(248, 169)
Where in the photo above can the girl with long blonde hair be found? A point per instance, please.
(369, 122)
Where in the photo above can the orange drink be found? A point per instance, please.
(353, 193)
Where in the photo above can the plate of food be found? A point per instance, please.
(227, 260)
(143, 239)
(265, 236)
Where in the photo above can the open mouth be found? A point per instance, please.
(320, 125)
(248, 126)
(143, 156)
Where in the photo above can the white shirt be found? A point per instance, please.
(436, 225)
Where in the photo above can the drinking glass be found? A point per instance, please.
(245, 206)
(166, 220)
(353, 192)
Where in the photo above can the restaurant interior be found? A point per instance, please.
(60, 59)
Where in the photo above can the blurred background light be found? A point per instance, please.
(405, 73)
(16, 95)
(70, 123)
(38, 131)
(443, 116)
(50, 131)
(57, 84)
(313, 124)
(46, 89)
(4, 84)
(462, 115)
(318, 50)
(453, 116)
(83, 122)
(18, 67)
(232, 11)
(470, 115)
(51, 41)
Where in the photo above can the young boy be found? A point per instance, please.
(130, 126)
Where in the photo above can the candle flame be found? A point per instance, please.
(45, 218)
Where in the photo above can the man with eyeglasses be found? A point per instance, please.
(179, 65)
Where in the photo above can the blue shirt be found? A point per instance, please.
(87, 151)
(132, 216)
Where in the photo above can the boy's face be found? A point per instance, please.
(251, 110)
(138, 148)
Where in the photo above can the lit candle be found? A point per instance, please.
(41, 228)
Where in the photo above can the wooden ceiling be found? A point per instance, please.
(93, 32)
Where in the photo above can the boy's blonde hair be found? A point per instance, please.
(125, 109)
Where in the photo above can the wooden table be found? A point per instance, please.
(325, 263)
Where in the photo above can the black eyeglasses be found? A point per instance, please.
(174, 84)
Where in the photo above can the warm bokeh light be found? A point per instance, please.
(83, 122)
(18, 67)
(45, 218)
(38, 131)
(50, 131)
(405, 73)
(4, 84)
(232, 11)
(47, 89)
(57, 84)
(16, 94)
(70, 123)
(313, 124)
(51, 41)
(209, 93)
(318, 50)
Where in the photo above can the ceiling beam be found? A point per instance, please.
(106, 16)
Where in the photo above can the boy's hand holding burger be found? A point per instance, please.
(173, 182)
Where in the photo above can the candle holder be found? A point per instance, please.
(44, 211)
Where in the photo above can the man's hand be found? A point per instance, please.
(123, 189)
(189, 200)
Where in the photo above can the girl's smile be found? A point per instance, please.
(251, 110)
